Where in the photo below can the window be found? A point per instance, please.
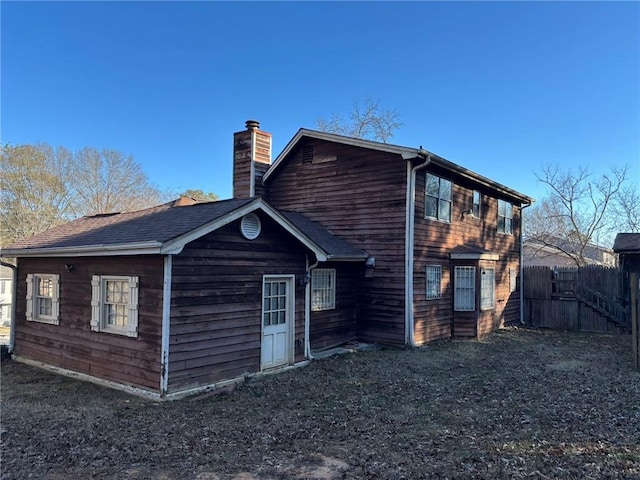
(114, 304)
(323, 289)
(513, 279)
(3, 286)
(437, 198)
(43, 302)
(505, 217)
(465, 289)
(477, 199)
(487, 289)
(434, 281)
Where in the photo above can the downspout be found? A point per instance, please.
(408, 246)
(166, 324)
(522, 322)
(307, 308)
(14, 296)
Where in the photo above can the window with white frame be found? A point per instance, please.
(464, 298)
(114, 304)
(43, 298)
(438, 194)
(434, 282)
(487, 288)
(505, 217)
(323, 289)
(477, 200)
(513, 279)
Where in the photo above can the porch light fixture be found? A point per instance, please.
(70, 267)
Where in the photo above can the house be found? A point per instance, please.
(336, 239)
(556, 252)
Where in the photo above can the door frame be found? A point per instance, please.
(290, 320)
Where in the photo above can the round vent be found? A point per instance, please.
(250, 226)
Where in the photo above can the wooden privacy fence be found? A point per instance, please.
(587, 299)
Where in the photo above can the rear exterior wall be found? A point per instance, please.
(216, 303)
(434, 242)
(359, 195)
(72, 344)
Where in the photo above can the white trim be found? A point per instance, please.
(141, 248)
(166, 324)
(408, 250)
(291, 323)
(474, 256)
(252, 162)
(150, 394)
(98, 301)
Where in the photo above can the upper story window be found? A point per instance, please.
(43, 298)
(505, 217)
(477, 200)
(114, 304)
(323, 289)
(438, 193)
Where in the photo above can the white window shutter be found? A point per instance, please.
(95, 303)
(132, 327)
(55, 301)
(30, 297)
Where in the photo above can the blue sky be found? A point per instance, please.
(501, 88)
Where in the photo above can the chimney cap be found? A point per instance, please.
(252, 124)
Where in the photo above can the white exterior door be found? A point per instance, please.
(277, 320)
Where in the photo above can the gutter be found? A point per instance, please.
(140, 248)
(522, 322)
(166, 325)
(14, 296)
(307, 308)
(409, 246)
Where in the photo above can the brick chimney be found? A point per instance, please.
(251, 159)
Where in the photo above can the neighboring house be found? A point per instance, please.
(338, 239)
(538, 253)
(6, 289)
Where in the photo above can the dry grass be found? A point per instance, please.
(520, 404)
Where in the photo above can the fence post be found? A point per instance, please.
(635, 333)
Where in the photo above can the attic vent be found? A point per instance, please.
(307, 154)
(250, 226)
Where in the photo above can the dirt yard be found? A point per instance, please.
(520, 404)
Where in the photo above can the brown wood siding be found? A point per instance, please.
(360, 197)
(216, 302)
(72, 344)
(329, 328)
(434, 241)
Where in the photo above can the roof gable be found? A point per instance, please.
(166, 229)
(405, 153)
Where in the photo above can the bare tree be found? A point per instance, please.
(578, 211)
(34, 195)
(108, 181)
(627, 209)
(367, 120)
(199, 195)
(42, 187)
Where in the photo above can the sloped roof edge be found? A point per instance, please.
(406, 153)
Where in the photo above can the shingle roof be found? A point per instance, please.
(166, 228)
(627, 243)
(156, 224)
(334, 246)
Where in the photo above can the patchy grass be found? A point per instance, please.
(520, 404)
